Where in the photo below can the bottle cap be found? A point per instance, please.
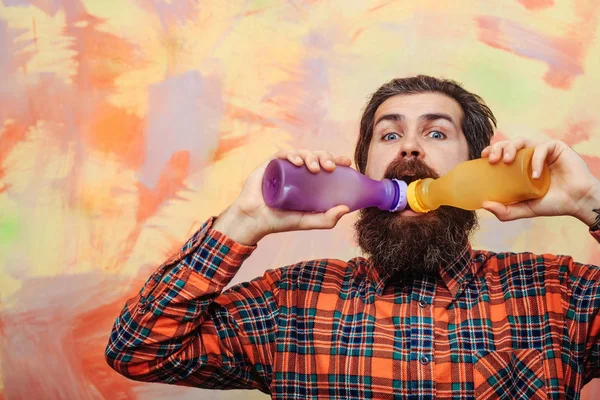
(411, 194)
(401, 201)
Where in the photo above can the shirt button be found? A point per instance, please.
(422, 303)
(424, 360)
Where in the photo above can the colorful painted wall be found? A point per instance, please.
(124, 124)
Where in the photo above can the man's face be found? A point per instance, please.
(416, 136)
(426, 126)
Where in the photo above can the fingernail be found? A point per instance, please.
(506, 157)
(314, 165)
(329, 163)
(298, 159)
(536, 174)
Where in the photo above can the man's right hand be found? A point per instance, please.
(249, 219)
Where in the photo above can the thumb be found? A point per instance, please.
(326, 220)
(508, 212)
(333, 215)
(336, 213)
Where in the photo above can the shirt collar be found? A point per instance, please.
(455, 275)
(458, 274)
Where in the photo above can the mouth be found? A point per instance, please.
(408, 212)
(409, 178)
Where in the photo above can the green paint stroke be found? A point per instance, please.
(492, 81)
(9, 229)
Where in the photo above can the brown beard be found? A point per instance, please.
(410, 247)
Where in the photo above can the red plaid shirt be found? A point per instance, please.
(491, 325)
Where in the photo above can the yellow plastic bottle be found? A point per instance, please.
(471, 183)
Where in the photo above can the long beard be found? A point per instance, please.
(408, 247)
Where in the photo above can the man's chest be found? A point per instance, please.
(425, 344)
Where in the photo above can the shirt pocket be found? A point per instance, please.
(510, 374)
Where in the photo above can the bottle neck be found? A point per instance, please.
(388, 195)
(385, 194)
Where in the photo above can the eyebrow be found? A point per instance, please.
(436, 116)
(389, 117)
(424, 117)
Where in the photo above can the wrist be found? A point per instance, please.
(238, 226)
(588, 210)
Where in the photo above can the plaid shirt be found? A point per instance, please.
(491, 325)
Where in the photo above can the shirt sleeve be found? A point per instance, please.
(181, 328)
(583, 316)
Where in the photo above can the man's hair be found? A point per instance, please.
(478, 122)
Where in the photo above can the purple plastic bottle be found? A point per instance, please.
(289, 187)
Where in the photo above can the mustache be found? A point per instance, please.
(409, 170)
(411, 247)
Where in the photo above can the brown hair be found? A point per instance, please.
(478, 123)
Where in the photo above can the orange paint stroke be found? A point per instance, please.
(575, 133)
(536, 5)
(226, 145)
(12, 135)
(89, 339)
(35, 38)
(593, 163)
(245, 115)
(255, 11)
(101, 57)
(382, 5)
(356, 34)
(170, 181)
(564, 55)
(117, 132)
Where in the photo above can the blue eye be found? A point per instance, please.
(387, 136)
(436, 135)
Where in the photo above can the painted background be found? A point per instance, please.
(124, 124)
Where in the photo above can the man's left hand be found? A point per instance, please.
(573, 191)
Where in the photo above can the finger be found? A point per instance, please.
(283, 154)
(508, 212)
(326, 220)
(540, 153)
(506, 150)
(508, 153)
(486, 152)
(496, 151)
(342, 160)
(326, 160)
(511, 149)
(295, 159)
(290, 155)
(310, 159)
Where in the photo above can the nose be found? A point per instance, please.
(411, 148)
